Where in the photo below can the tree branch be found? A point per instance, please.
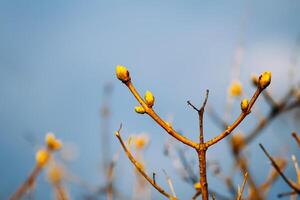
(140, 169)
(158, 120)
(240, 194)
(297, 138)
(201, 151)
(288, 181)
(27, 184)
(237, 121)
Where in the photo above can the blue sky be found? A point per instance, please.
(56, 57)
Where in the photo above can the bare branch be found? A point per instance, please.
(202, 152)
(196, 195)
(284, 194)
(236, 122)
(141, 170)
(205, 100)
(194, 107)
(27, 184)
(158, 120)
(273, 176)
(282, 106)
(213, 196)
(153, 177)
(240, 194)
(170, 183)
(288, 181)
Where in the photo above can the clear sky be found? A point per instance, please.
(56, 56)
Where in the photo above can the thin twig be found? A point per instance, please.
(194, 107)
(196, 195)
(201, 112)
(110, 177)
(156, 118)
(140, 169)
(240, 194)
(236, 122)
(282, 107)
(284, 194)
(201, 151)
(213, 196)
(153, 177)
(192, 178)
(60, 192)
(296, 165)
(273, 176)
(297, 138)
(200, 147)
(27, 184)
(242, 163)
(170, 183)
(288, 181)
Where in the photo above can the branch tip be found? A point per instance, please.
(120, 127)
(194, 107)
(205, 100)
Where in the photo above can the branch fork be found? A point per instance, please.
(201, 147)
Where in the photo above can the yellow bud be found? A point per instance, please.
(52, 143)
(264, 80)
(169, 124)
(244, 105)
(141, 141)
(140, 165)
(149, 98)
(122, 73)
(139, 109)
(235, 89)
(117, 133)
(197, 186)
(237, 142)
(42, 157)
(55, 174)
